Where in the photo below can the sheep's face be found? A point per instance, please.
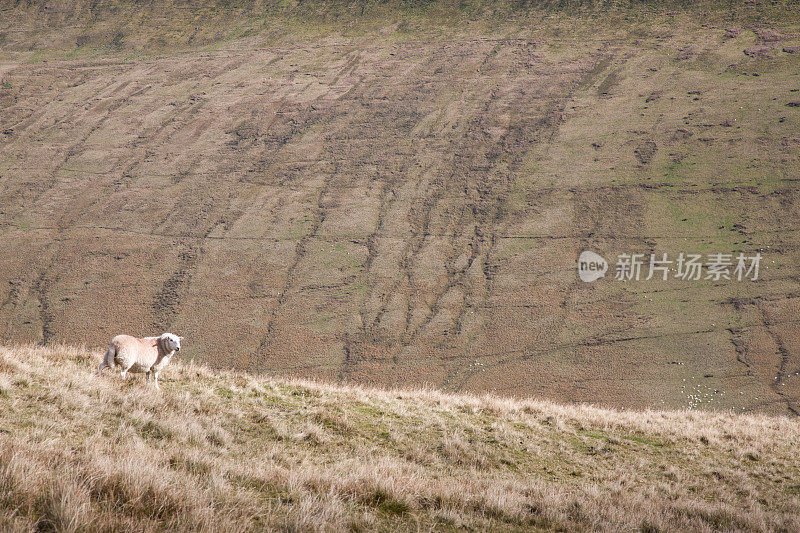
(171, 342)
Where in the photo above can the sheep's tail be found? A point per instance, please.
(108, 360)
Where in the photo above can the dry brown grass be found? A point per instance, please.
(228, 451)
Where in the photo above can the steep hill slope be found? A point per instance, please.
(221, 450)
(398, 196)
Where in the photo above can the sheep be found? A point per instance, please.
(148, 355)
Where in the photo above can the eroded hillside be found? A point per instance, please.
(404, 202)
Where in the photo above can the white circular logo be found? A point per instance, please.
(591, 266)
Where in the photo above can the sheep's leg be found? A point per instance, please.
(155, 378)
(124, 374)
(108, 359)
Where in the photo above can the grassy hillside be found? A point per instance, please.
(224, 450)
(397, 192)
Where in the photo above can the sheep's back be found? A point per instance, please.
(138, 355)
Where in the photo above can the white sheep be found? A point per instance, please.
(148, 355)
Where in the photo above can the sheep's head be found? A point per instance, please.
(171, 342)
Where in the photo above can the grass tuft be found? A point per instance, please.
(221, 450)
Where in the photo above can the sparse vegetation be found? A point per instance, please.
(397, 192)
(229, 451)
